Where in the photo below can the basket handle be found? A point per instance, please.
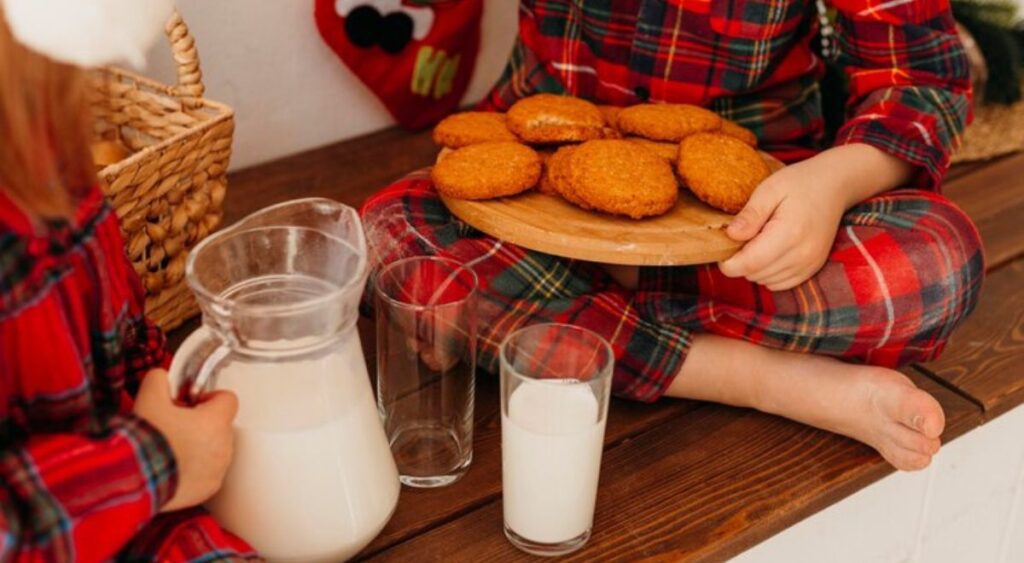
(183, 48)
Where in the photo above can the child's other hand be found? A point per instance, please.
(790, 222)
(201, 437)
(792, 219)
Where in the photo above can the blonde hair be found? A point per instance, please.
(45, 131)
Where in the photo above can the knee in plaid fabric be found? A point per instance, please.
(917, 258)
(905, 270)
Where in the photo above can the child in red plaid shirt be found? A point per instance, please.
(96, 461)
(843, 277)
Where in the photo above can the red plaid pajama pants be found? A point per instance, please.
(186, 536)
(905, 270)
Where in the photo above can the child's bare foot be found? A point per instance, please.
(882, 408)
(877, 406)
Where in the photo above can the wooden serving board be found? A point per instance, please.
(692, 233)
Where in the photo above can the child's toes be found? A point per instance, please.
(920, 411)
(907, 460)
(912, 440)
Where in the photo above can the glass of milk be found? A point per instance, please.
(426, 358)
(555, 386)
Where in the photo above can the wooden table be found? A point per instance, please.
(681, 479)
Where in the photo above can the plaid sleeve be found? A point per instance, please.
(75, 497)
(149, 351)
(910, 88)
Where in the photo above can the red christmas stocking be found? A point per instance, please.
(416, 55)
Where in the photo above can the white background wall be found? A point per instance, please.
(290, 92)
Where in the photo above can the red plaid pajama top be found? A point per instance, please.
(80, 476)
(754, 61)
(905, 267)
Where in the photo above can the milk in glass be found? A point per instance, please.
(551, 439)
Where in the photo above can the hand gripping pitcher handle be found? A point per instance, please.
(193, 368)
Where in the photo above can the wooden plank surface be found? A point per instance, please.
(703, 486)
(985, 357)
(965, 168)
(420, 510)
(349, 171)
(993, 196)
(679, 479)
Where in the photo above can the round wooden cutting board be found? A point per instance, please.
(692, 233)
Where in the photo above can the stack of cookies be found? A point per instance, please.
(624, 161)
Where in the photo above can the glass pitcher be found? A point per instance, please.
(313, 477)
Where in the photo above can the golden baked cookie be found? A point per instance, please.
(622, 178)
(470, 128)
(544, 185)
(667, 122)
(548, 118)
(668, 151)
(733, 129)
(557, 175)
(611, 115)
(487, 170)
(720, 170)
(774, 164)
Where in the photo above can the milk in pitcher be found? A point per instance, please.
(308, 481)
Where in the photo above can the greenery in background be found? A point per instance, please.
(1002, 13)
(996, 30)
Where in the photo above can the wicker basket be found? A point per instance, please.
(169, 193)
(997, 130)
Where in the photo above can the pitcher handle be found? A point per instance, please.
(193, 368)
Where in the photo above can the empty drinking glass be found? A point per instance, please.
(426, 345)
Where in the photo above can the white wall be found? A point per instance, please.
(290, 92)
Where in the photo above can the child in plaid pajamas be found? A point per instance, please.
(853, 265)
(96, 461)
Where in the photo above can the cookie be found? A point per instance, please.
(611, 115)
(733, 129)
(544, 185)
(622, 178)
(486, 171)
(668, 151)
(667, 122)
(470, 128)
(548, 118)
(774, 164)
(557, 175)
(721, 171)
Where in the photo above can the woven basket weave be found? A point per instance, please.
(169, 193)
(996, 131)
